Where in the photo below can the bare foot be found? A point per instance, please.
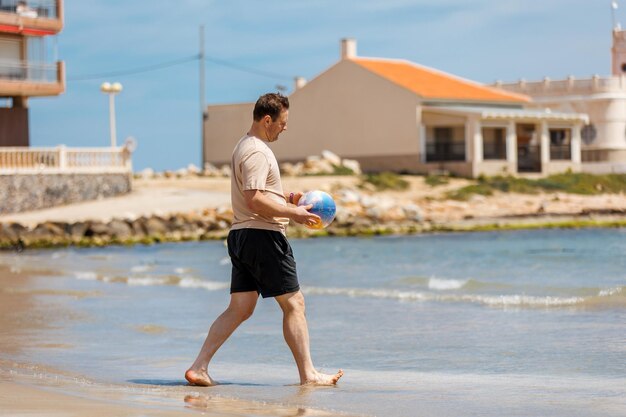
(200, 378)
(323, 379)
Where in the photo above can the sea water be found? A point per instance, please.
(507, 323)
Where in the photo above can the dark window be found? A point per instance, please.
(623, 67)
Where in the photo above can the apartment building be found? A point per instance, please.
(29, 66)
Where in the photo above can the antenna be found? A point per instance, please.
(203, 112)
(614, 7)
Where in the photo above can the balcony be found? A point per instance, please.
(36, 18)
(445, 151)
(29, 80)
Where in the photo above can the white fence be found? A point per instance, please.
(63, 160)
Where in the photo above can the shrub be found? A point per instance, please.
(385, 181)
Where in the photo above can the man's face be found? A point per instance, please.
(275, 128)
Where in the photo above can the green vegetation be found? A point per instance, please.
(337, 170)
(435, 180)
(587, 184)
(385, 181)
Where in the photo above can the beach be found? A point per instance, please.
(475, 324)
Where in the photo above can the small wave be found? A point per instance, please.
(610, 291)
(181, 270)
(146, 281)
(140, 268)
(445, 284)
(207, 285)
(512, 300)
(86, 275)
(225, 261)
(158, 280)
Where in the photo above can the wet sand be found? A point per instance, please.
(29, 388)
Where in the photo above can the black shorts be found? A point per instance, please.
(262, 261)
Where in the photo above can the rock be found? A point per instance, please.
(119, 229)
(210, 170)
(147, 173)
(96, 228)
(353, 165)
(155, 226)
(225, 170)
(346, 196)
(413, 212)
(331, 157)
(181, 173)
(77, 230)
(193, 170)
(8, 234)
(138, 227)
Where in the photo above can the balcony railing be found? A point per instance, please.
(18, 160)
(528, 158)
(46, 9)
(21, 71)
(445, 152)
(595, 84)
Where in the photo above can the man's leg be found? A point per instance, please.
(240, 309)
(296, 335)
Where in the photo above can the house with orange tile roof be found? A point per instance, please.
(395, 115)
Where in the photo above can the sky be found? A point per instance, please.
(104, 40)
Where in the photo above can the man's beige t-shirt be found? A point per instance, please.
(254, 167)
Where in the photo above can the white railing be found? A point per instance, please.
(595, 84)
(46, 9)
(23, 71)
(23, 160)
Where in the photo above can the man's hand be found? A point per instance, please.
(303, 216)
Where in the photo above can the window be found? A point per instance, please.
(560, 144)
(494, 143)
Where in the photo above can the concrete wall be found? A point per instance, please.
(30, 192)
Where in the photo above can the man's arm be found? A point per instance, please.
(259, 203)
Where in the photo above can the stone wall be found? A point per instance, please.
(22, 192)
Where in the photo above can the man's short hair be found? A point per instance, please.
(270, 104)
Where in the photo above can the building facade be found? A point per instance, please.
(28, 65)
(603, 99)
(399, 116)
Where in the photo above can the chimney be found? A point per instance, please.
(348, 48)
(299, 82)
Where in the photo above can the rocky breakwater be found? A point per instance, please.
(208, 224)
(358, 213)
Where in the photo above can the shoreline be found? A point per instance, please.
(56, 238)
(197, 209)
(31, 387)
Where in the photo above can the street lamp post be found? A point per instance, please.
(112, 89)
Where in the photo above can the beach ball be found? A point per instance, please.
(323, 205)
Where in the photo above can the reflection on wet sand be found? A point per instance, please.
(205, 403)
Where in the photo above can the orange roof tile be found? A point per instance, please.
(432, 84)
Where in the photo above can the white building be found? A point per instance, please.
(396, 115)
(603, 99)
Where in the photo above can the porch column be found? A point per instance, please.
(473, 140)
(511, 143)
(575, 146)
(545, 144)
(422, 142)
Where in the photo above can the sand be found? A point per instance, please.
(28, 388)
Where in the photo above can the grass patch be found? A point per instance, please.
(586, 184)
(435, 180)
(385, 181)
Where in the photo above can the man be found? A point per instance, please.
(262, 259)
